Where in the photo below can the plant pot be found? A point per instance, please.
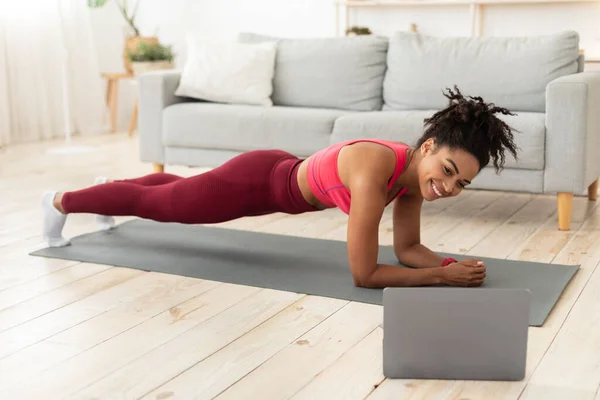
(140, 67)
(131, 43)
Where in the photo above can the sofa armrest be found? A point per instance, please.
(572, 133)
(156, 91)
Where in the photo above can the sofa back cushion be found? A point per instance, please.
(339, 73)
(511, 72)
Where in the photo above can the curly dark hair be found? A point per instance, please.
(468, 123)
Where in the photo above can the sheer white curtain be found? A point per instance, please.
(45, 44)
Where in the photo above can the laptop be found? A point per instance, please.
(455, 333)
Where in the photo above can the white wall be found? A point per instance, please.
(109, 30)
(172, 20)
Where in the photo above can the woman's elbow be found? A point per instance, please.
(398, 255)
(362, 280)
(401, 253)
(361, 283)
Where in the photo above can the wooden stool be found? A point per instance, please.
(112, 95)
(133, 123)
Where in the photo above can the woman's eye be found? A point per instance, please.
(447, 170)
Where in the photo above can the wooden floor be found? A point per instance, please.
(84, 331)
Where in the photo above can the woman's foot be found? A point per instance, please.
(54, 221)
(105, 222)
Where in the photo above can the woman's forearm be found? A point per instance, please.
(419, 256)
(395, 276)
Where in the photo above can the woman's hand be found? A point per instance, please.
(468, 272)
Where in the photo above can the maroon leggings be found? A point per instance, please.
(254, 183)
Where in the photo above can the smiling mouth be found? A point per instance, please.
(435, 190)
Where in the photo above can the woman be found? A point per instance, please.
(360, 177)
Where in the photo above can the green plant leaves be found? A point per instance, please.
(96, 3)
(151, 52)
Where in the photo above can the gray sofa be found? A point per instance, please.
(327, 90)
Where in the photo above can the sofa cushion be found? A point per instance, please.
(300, 131)
(407, 127)
(510, 71)
(228, 71)
(339, 73)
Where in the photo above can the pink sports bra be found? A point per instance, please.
(324, 180)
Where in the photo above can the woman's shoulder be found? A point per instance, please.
(366, 158)
(395, 144)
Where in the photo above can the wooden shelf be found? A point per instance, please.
(343, 8)
(399, 3)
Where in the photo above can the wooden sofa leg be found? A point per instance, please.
(565, 206)
(593, 191)
(158, 167)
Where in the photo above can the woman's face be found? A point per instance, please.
(444, 172)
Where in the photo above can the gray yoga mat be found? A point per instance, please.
(302, 265)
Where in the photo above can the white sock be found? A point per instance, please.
(105, 222)
(54, 221)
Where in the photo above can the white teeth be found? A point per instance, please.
(435, 190)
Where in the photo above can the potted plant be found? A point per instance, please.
(358, 30)
(133, 39)
(150, 57)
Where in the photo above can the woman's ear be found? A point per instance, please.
(428, 146)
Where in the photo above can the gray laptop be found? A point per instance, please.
(455, 333)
